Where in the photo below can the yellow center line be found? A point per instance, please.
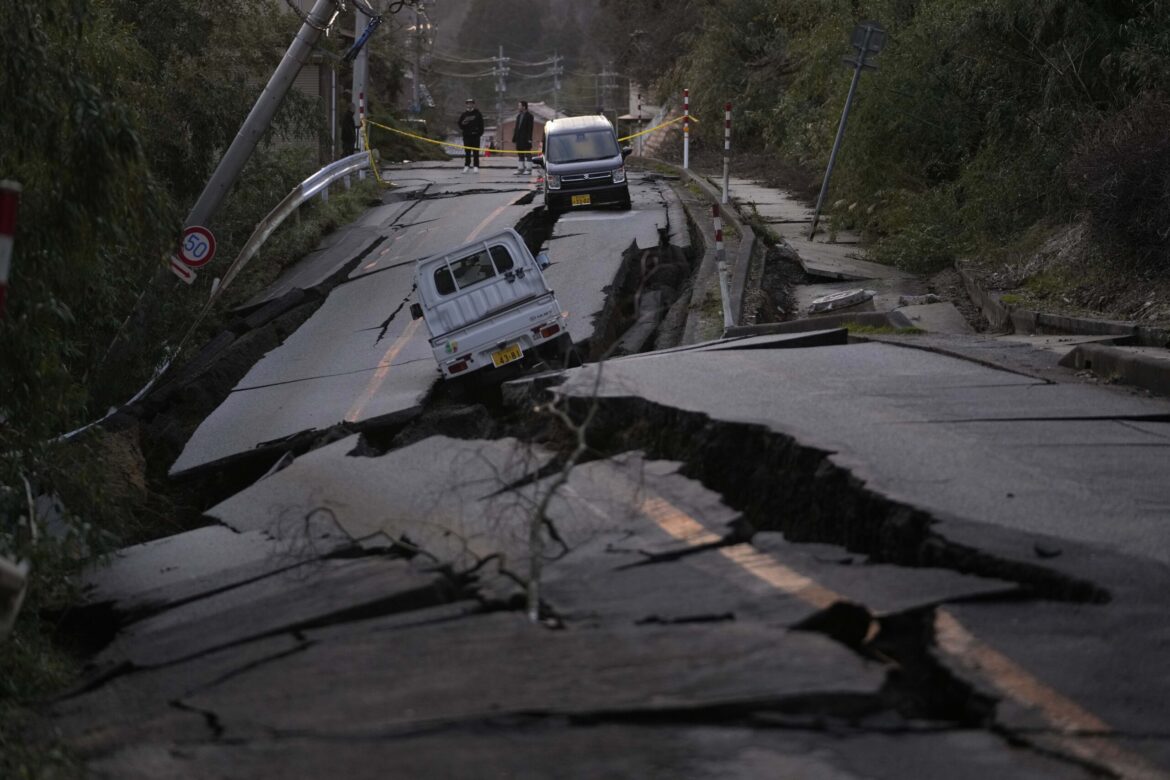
(1085, 735)
(685, 528)
(379, 376)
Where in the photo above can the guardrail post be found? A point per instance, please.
(721, 264)
(9, 202)
(686, 129)
(726, 149)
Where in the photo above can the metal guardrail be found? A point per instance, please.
(311, 186)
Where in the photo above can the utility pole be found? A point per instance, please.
(260, 117)
(414, 104)
(868, 38)
(500, 71)
(556, 71)
(360, 64)
(607, 76)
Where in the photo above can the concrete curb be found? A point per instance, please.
(872, 319)
(1110, 362)
(1128, 365)
(747, 243)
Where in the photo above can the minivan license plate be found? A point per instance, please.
(581, 200)
(508, 354)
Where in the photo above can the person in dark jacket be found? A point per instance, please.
(522, 137)
(471, 125)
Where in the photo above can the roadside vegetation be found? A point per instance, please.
(1026, 138)
(115, 114)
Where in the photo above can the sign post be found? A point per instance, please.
(868, 38)
(686, 129)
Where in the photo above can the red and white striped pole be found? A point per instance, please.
(9, 202)
(726, 148)
(721, 264)
(686, 128)
(641, 138)
(361, 130)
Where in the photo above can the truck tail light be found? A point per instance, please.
(546, 331)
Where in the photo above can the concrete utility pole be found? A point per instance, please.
(607, 76)
(500, 71)
(260, 118)
(868, 38)
(556, 71)
(360, 63)
(414, 104)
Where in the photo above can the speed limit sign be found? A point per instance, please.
(197, 247)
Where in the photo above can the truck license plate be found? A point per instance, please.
(581, 200)
(508, 354)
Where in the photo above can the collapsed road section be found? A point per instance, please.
(771, 556)
(865, 643)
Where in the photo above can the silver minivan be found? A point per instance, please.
(584, 165)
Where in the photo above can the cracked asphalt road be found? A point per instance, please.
(786, 556)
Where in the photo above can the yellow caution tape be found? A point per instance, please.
(370, 151)
(659, 127)
(365, 134)
(445, 143)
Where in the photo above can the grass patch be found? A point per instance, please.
(857, 329)
(31, 664)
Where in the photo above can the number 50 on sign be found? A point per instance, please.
(197, 247)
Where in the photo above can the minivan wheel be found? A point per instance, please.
(624, 204)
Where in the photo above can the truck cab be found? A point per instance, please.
(487, 305)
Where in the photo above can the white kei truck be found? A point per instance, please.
(487, 306)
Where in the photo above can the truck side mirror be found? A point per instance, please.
(538, 159)
(416, 311)
(627, 151)
(543, 261)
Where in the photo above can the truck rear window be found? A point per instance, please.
(472, 269)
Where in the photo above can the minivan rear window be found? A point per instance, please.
(582, 146)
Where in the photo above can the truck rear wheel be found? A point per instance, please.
(570, 357)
